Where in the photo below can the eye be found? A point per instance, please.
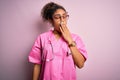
(65, 16)
(57, 17)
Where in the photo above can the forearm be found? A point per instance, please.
(36, 72)
(77, 57)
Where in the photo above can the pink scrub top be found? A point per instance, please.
(55, 57)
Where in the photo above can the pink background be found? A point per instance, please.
(96, 21)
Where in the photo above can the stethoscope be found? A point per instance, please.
(44, 56)
(53, 55)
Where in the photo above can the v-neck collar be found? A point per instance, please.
(54, 38)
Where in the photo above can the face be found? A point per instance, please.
(60, 16)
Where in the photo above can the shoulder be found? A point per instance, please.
(45, 34)
(75, 36)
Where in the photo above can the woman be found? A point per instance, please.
(56, 53)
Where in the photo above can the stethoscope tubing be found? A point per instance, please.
(46, 59)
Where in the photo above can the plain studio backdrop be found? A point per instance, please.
(96, 21)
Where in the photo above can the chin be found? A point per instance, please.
(58, 31)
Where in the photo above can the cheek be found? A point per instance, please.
(56, 23)
(65, 22)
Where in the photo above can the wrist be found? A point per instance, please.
(72, 44)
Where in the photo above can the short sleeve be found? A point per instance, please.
(81, 47)
(35, 53)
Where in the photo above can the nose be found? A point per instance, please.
(61, 19)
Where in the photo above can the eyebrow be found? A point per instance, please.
(62, 14)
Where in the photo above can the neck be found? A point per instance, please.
(57, 33)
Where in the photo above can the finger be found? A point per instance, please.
(61, 30)
(61, 27)
(65, 29)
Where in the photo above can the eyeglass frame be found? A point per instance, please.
(64, 16)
